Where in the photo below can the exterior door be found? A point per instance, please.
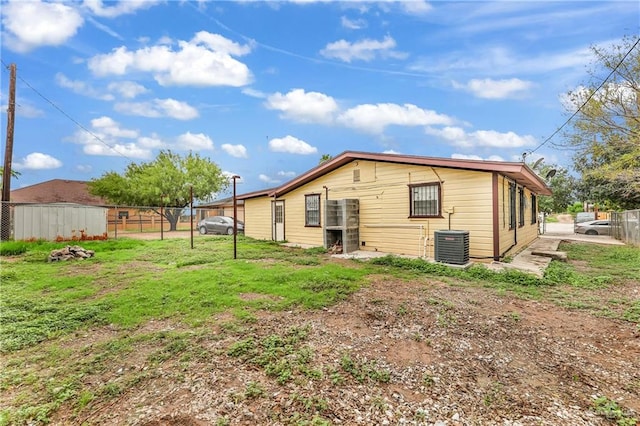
(277, 214)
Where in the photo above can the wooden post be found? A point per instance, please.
(5, 214)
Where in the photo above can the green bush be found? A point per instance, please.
(13, 248)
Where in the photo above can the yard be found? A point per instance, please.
(154, 333)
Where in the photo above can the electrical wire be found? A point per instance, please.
(591, 95)
(74, 121)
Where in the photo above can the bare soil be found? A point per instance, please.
(457, 355)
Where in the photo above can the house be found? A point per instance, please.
(57, 191)
(65, 191)
(402, 204)
(222, 207)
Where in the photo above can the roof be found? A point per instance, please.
(221, 202)
(255, 194)
(57, 191)
(519, 172)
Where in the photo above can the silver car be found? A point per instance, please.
(218, 225)
(594, 227)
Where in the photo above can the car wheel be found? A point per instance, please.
(591, 232)
(203, 230)
(229, 231)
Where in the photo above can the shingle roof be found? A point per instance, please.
(519, 172)
(57, 191)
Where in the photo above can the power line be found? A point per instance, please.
(74, 121)
(591, 95)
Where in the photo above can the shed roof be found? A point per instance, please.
(57, 191)
(519, 172)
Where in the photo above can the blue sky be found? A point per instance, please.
(264, 89)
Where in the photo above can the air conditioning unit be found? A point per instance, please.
(452, 247)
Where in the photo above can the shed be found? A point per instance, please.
(56, 221)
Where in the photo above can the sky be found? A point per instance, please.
(265, 89)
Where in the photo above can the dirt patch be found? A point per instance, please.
(455, 355)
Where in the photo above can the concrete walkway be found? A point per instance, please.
(547, 244)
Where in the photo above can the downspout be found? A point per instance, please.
(495, 213)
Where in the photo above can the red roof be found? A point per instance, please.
(57, 191)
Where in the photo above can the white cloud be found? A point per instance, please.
(127, 89)
(284, 174)
(476, 157)
(205, 60)
(151, 142)
(254, 93)
(482, 138)
(195, 142)
(106, 137)
(83, 168)
(291, 145)
(37, 161)
(306, 107)
(353, 24)
(28, 25)
(118, 8)
(390, 151)
(416, 7)
(24, 109)
(129, 150)
(81, 88)
(501, 61)
(374, 118)
(363, 50)
(110, 127)
(267, 179)
(238, 151)
(159, 108)
(496, 89)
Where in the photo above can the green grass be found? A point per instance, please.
(45, 306)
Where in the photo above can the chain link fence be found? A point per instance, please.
(625, 226)
(68, 222)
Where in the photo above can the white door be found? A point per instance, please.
(277, 214)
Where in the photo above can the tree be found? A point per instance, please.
(605, 132)
(562, 185)
(14, 173)
(324, 158)
(165, 181)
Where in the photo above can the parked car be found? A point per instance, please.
(594, 227)
(218, 225)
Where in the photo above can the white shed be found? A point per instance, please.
(62, 220)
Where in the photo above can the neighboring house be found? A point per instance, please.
(57, 191)
(222, 207)
(394, 204)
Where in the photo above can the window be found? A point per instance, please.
(534, 209)
(523, 206)
(312, 210)
(512, 205)
(424, 200)
(356, 175)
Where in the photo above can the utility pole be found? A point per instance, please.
(5, 216)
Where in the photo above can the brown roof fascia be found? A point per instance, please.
(519, 172)
(254, 194)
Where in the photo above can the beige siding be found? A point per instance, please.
(257, 213)
(384, 207)
(524, 235)
(385, 225)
